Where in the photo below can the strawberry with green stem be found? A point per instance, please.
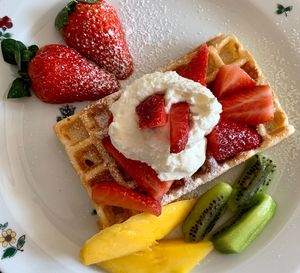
(56, 73)
(93, 28)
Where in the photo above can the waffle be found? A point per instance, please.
(81, 134)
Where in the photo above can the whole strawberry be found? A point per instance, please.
(56, 73)
(93, 28)
(59, 74)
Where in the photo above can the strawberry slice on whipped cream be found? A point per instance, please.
(152, 146)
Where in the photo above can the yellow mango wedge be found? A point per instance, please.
(168, 256)
(137, 233)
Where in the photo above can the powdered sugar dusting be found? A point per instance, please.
(286, 79)
(147, 27)
(276, 67)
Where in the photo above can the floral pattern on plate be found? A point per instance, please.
(283, 10)
(9, 242)
(5, 24)
(65, 111)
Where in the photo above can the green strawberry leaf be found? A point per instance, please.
(19, 89)
(88, 1)
(61, 19)
(9, 252)
(20, 47)
(71, 6)
(8, 49)
(27, 55)
(17, 54)
(24, 74)
(21, 242)
(12, 50)
(34, 49)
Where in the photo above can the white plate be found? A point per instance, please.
(41, 196)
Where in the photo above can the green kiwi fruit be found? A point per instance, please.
(245, 228)
(206, 212)
(255, 179)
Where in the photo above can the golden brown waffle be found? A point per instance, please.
(82, 133)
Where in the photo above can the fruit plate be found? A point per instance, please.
(42, 204)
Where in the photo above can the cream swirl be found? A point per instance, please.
(152, 146)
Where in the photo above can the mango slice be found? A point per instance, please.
(137, 233)
(168, 256)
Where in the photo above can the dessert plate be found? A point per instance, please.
(45, 214)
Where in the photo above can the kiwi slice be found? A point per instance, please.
(243, 231)
(206, 212)
(255, 179)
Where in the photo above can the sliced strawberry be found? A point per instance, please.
(229, 138)
(196, 69)
(251, 106)
(144, 176)
(151, 112)
(113, 194)
(231, 78)
(179, 126)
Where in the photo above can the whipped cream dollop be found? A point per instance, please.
(152, 146)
